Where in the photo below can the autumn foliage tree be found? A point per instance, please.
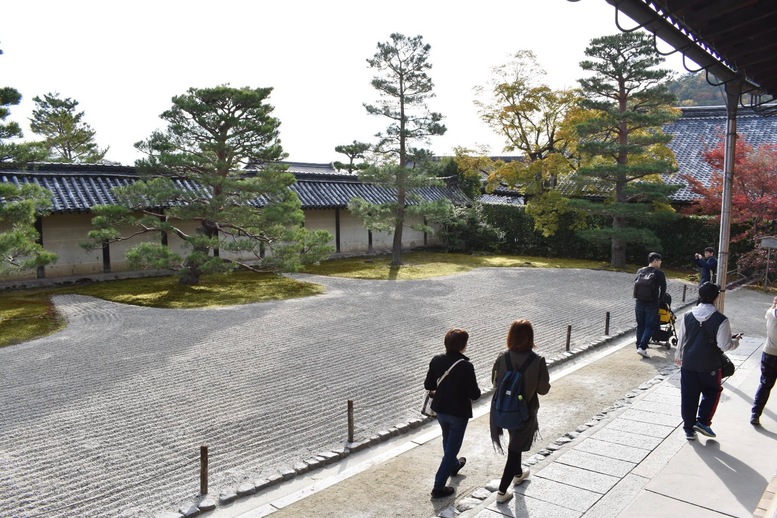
(753, 197)
(528, 114)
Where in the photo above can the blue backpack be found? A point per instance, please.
(510, 408)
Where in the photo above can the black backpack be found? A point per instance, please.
(646, 285)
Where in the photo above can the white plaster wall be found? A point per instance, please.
(176, 243)
(382, 241)
(63, 233)
(353, 235)
(412, 238)
(119, 249)
(323, 219)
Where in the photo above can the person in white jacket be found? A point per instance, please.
(768, 365)
(704, 333)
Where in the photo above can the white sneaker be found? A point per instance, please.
(504, 497)
(523, 476)
(643, 353)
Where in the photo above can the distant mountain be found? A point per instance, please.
(694, 90)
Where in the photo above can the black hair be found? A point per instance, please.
(456, 340)
(708, 292)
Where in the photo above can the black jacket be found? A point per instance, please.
(455, 394)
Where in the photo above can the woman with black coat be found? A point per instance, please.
(452, 401)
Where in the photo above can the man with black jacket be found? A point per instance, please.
(646, 305)
(705, 333)
(707, 263)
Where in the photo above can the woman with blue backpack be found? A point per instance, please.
(519, 375)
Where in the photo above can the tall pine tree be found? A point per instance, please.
(626, 103)
(402, 80)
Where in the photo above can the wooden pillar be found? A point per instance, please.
(337, 229)
(106, 258)
(41, 272)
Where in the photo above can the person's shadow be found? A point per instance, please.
(732, 472)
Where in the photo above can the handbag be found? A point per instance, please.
(426, 407)
(727, 366)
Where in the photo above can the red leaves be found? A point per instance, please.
(754, 195)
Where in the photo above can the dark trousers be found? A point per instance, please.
(768, 376)
(692, 385)
(453, 429)
(647, 321)
(512, 469)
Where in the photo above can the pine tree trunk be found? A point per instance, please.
(396, 257)
(618, 245)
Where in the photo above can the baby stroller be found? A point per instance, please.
(665, 332)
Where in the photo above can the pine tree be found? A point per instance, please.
(10, 151)
(404, 87)
(354, 151)
(66, 136)
(195, 171)
(626, 104)
(19, 242)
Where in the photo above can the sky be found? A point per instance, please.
(124, 61)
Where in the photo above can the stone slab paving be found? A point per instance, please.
(580, 477)
(556, 493)
(596, 463)
(639, 464)
(616, 451)
(636, 440)
(106, 418)
(636, 427)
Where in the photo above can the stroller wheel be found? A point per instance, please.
(666, 344)
(674, 341)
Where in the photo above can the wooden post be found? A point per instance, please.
(685, 290)
(204, 469)
(350, 420)
(607, 324)
(569, 335)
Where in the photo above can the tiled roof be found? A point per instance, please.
(77, 188)
(328, 191)
(501, 199)
(703, 128)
